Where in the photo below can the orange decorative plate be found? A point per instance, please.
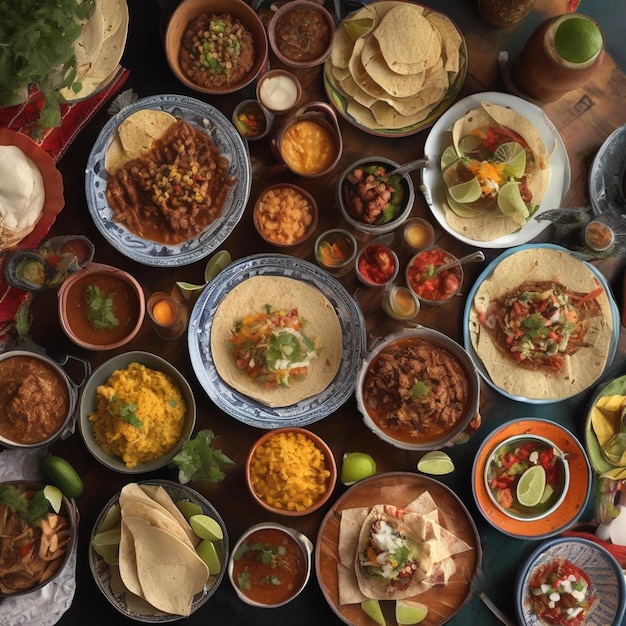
(579, 487)
(52, 180)
(400, 488)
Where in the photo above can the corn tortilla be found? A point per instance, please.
(250, 297)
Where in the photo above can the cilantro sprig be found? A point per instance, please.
(29, 509)
(100, 308)
(127, 412)
(199, 460)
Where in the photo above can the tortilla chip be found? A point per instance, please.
(252, 296)
(581, 369)
(169, 577)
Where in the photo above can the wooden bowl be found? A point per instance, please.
(291, 433)
(128, 301)
(188, 11)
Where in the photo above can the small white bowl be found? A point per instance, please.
(302, 542)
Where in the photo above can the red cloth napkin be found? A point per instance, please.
(55, 141)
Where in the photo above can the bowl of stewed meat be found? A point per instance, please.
(38, 399)
(419, 390)
(215, 46)
(371, 198)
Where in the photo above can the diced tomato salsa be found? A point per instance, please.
(423, 282)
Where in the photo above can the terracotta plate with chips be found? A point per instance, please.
(400, 489)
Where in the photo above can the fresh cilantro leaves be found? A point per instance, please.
(198, 460)
(419, 389)
(30, 510)
(126, 412)
(100, 308)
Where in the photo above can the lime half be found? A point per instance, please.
(356, 466)
(531, 486)
(448, 156)
(578, 39)
(436, 463)
(372, 608)
(408, 612)
(469, 191)
(513, 155)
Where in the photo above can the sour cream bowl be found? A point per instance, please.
(279, 91)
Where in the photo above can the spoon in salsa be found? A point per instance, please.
(470, 258)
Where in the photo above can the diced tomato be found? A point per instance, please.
(506, 498)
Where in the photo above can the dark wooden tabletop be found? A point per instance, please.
(584, 119)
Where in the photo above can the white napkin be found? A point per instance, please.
(45, 606)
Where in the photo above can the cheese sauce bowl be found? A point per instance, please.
(310, 143)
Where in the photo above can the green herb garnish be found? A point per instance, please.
(127, 412)
(29, 509)
(198, 460)
(100, 308)
(419, 389)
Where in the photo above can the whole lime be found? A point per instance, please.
(356, 466)
(578, 39)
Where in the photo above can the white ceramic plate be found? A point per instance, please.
(440, 137)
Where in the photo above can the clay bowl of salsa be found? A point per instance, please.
(101, 307)
(206, 25)
(38, 400)
(437, 409)
(372, 201)
(270, 565)
(301, 34)
(431, 287)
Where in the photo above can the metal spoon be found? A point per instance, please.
(470, 258)
(409, 167)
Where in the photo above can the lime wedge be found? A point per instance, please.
(111, 518)
(189, 289)
(511, 203)
(513, 155)
(54, 496)
(466, 192)
(448, 156)
(357, 27)
(408, 612)
(206, 527)
(436, 463)
(107, 545)
(464, 210)
(372, 608)
(188, 509)
(208, 553)
(468, 143)
(216, 264)
(356, 466)
(531, 486)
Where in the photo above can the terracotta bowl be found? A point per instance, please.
(329, 466)
(293, 56)
(129, 306)
(285, 215)
(69, 511)
(189, 10)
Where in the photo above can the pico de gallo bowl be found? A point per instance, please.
(431, 287)
(527, 477)
(377, 265)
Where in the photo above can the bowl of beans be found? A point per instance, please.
(371, 198)
(377, 265)
(285, 215)
(301, 33)
(428, 284)
(291, 471)
(215, 46)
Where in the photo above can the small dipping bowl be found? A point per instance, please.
(433, 290)
(377, 265)
(279, 91)
(252, 120)
(335, 250)
(400, 303)
(290, 541)
(557, 482)
(418, 234)
(598, 236)
(285, 215)
(166, 314)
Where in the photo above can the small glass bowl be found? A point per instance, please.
(418, 234)
(444, 287)
(335, 250)
(400, 303)
(382, 260)
(252, 120)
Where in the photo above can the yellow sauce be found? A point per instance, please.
(308, 147)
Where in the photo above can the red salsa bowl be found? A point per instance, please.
(429, 287)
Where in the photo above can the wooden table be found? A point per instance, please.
(584, 118)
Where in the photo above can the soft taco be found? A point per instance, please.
(499, 175)
(275, 376)
(541, 324)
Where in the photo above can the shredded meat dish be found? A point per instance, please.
(415, 389)
(173, 191)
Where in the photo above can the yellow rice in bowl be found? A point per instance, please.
(140, 414)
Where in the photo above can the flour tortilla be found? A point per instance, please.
(22, 196)
(581, 369)
(492, 225)
(250, 297)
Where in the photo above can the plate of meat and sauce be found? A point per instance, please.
(168, 180)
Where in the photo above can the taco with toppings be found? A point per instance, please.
(541, 324)
(496, 173)
(277, 340)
